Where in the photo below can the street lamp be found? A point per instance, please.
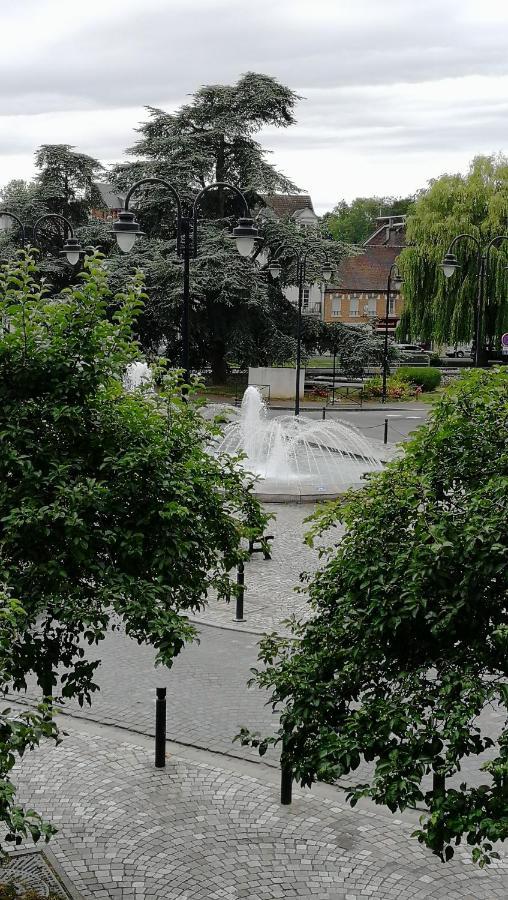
(72, 249)
(450, 265)
(126, 229)
(19, 223)
(301, 267)
(394, 282)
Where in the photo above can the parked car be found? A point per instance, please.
(459, 351)
(409, 348)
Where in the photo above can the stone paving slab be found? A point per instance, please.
(194, 831)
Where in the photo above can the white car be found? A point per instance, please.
(459, 351)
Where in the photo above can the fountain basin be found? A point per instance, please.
(295, 458)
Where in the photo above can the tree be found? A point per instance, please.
(234, 309)
(355, 348)
(408, 638)
(443, 310)
(65, 181)
(211, 139)
(105, 497)
(354, 222)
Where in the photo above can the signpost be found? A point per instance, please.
(504, 344)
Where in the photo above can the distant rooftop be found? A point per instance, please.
(109, 195)
(390, 231)
(286, 205)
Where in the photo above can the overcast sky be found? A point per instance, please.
(396, 91)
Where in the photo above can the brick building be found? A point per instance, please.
(359, 294)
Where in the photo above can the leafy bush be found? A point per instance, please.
(111, 510)
(408, 641)
(426, 377)
(395, 388)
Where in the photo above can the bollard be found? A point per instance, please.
(160, 729)
(240, 580)
(324, 413)
(385, 439)
(286, 780)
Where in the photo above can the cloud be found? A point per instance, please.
(382, 81)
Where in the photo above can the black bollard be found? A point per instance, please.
(385, 439)
(286, 785)
(160, 729)
(240, 581)
(286, 779)
(324, 413)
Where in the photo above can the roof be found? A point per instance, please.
(368, 271)
(286, 205)
(390, 230)
(109, 195)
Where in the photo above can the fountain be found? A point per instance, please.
(136, 375)
(295, 457)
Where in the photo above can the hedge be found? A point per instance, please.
(427, 377)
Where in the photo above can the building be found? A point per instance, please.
(359, 294)
(112, 202)
(299, 209)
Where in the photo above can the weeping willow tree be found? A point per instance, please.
(443, 309)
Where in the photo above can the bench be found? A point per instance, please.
(260, 545)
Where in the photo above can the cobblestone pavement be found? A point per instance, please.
(208, 700)
(270, 584)
(197, 832)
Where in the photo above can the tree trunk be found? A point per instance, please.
(45, 681)
(218, 363)
(220, 174)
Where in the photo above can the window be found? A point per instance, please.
(335, 307)
(306, 295)
(371, 306)
(391, 306)
(353, 307)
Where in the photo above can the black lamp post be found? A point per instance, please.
(301, 269)
(394, 281)
(72, 249)
(450, 265)
(127, 229)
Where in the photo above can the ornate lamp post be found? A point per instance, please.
(127, 229)
(72, 249)
(301, 269)
(394, 282)
(19, 223)
(450, 265)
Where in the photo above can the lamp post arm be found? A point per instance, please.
(495, 242)
(470, 237)
(59, 218)
(19, 223)
(174, 193)
(199, 197)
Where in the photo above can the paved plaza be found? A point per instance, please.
(210, 825)
(199, 831)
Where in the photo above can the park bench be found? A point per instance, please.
(261, 545)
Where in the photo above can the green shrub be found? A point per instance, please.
(396, 389)
(426, 377)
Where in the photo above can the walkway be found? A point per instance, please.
(197, 831)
